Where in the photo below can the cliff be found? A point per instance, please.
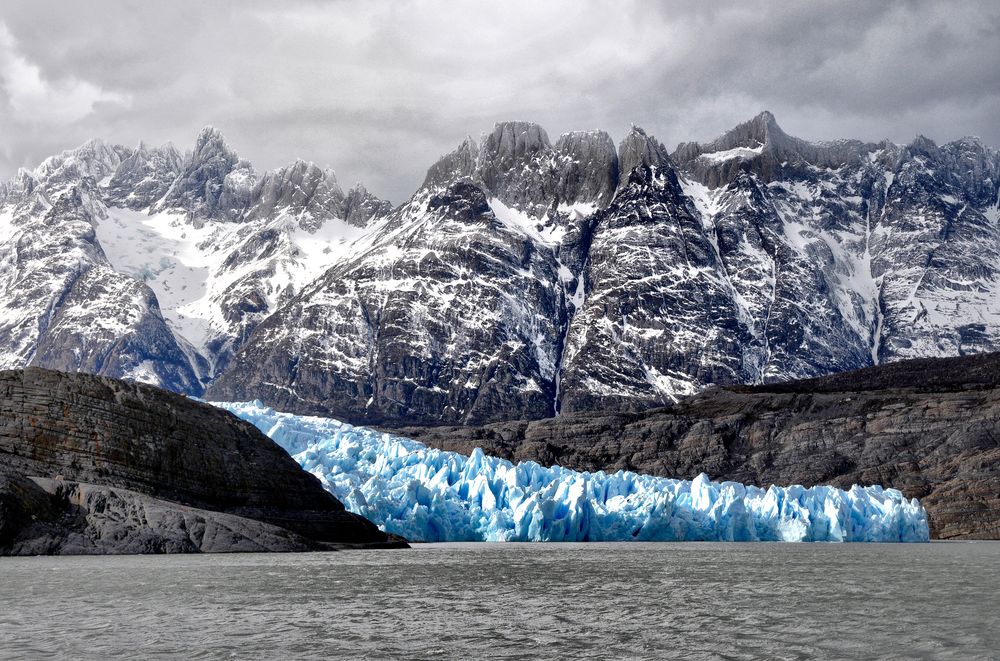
(90, 464)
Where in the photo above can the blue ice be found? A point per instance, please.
(431, 495)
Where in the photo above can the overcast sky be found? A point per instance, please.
(379, 90)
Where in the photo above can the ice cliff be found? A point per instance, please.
(431, 495)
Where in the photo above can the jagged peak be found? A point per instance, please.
(208, 133)
(639, 149)
(973, 141)
(636, 130)
(761, 131)
(763, 146)
(211, 142)
(576, 139)
(302, 166)
(515, 139)
(24, 175)
(93, 158)
(459, 163)
(922, 143)
(767, 117)
(144, 151)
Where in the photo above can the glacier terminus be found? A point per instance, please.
(430, 495)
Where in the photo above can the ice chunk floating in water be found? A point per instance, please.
(430, 495)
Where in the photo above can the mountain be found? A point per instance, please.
(525, 278)
(96, 465)
(149, 265)
(458, 309)
(928, 427)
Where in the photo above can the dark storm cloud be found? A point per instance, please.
(378, 90)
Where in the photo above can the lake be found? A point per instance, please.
(509, 601)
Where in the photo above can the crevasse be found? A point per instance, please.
(431, 495)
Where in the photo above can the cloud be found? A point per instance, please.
(380, 89)
(35, 100)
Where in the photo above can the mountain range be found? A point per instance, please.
(523, 279)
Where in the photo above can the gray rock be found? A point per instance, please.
(144, 177)
(436, 346)
(213, 182)
(360, 207)
(112, 435)
(639, 151)
(459, 165)
(588, 168)
(78, 518)
(301, 189)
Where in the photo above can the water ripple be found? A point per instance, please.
(513, 601)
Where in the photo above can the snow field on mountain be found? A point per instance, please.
(430, 495)
(185, 264)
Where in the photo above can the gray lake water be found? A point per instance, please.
(692, 600)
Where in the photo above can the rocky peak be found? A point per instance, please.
(513, 141)
(590, 167)
(638, 150)
(454, 166)
(93, 159)
(211, 146)
(360, 207)
(18, 188)
(517, 164)
(297, 189)
(213, 182)
(144, 176)
(509, 150)
(762, 147)
(923, 146)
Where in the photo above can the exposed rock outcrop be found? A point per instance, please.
(96, 465)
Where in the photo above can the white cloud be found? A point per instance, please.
(33, 99)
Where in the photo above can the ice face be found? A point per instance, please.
(430, 495)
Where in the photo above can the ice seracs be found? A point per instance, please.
(432, 496)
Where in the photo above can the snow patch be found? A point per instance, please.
(185, 264)
(539, 230)
(744, 153)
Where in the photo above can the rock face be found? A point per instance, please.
(444, 340)
(644, 276)
(526, 277)
(930, 428)
(92, 464)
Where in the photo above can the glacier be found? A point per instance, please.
(431, 495)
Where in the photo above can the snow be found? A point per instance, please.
(184, 264)
(729, 154)
(539, 230)
(431, 495)
(992, 212)
(578, 210)
(7, 228)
